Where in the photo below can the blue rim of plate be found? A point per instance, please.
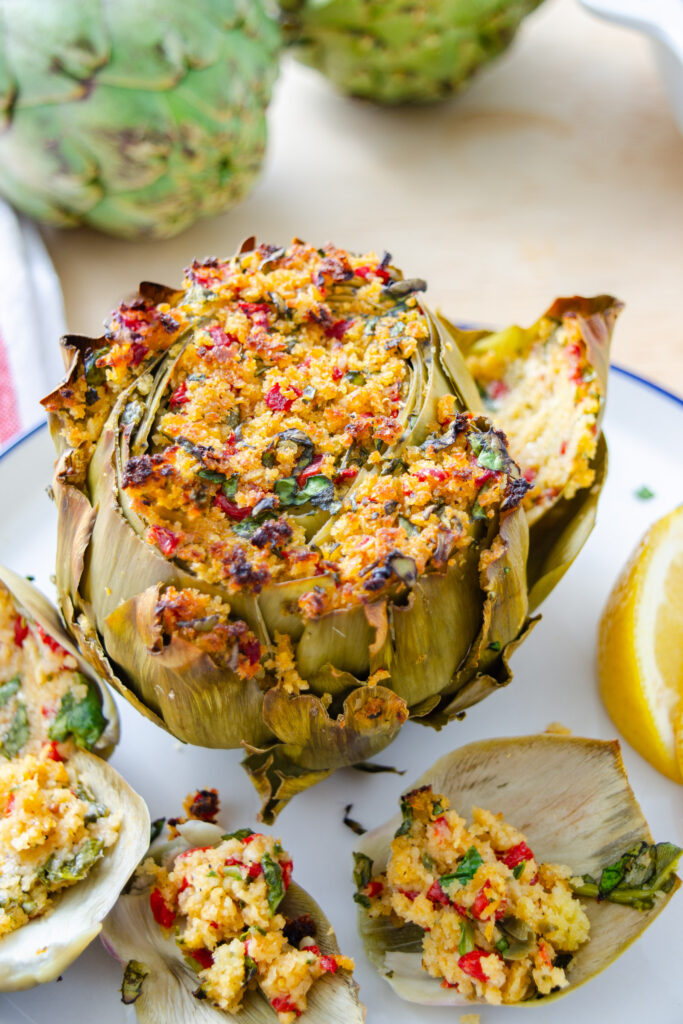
(617, 369)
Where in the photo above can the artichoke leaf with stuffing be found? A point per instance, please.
(72, 829)
(584, 829)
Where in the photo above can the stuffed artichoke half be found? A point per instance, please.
(452, 913)
(71, 830)
(286, 522)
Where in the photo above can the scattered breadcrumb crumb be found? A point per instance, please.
(558, 729)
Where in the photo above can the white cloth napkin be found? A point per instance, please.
(31, 322)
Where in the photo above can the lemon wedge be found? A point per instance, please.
(640, 648)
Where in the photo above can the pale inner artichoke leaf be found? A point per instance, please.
(557, 538)
(200, 702)
(44, 947)
(571, 798)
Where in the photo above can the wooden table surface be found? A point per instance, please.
(560, 171)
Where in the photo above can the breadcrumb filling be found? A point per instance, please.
(498, 926)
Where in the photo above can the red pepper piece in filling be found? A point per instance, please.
(161, 912)
(409, 894)
(251, 651)
(337, 329)
(310, 470)
(204, 957)
(254, 871)
(286, 868)
(282, 1004)
(50, 641)
(470, 963)
(179, 396)
(137, 353)
(373, 888)
(482, 901)
(329, 964)
(350, 473)
(20, 630)
(484, 477)
(437, 895)
(515, 855)
(277, 402)
(53, 751)
(232, 511)
(166, 540)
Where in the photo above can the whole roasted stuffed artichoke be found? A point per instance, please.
(135, 118)
(395, 52)
(284, 520)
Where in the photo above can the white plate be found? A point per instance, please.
(554, 681)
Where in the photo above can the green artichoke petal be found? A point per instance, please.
(200, 702)
(390, 52)
(351, 639)
(557, 537)
(440, 604)
(504, 622)
(314, 744)
(29, 31)
(371, 718)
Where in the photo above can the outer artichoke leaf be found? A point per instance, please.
(125, 564)
(130, 933)
(352, 639)
(44, 947)
(200, 702)
(503, 619)
(371, 718)
(439, 604)
(557, 538)
(36, 607)
(276, 778)
(475, 688)
(278, 604)
(571, 798)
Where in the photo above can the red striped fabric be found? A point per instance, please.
(10, 422)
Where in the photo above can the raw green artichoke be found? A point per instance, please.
(135, 118)
(225, 610)
(390, 51)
